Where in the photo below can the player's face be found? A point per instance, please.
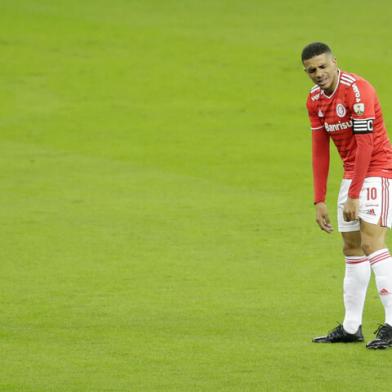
(323, 71)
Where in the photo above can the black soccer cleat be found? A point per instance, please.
(339, 335)
(383, 338)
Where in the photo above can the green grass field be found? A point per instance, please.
(156, 200)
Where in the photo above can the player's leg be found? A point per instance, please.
(356, 278)
(352, 245)
(376, 215)
(357, 268)
(373, 242)
(356, 281)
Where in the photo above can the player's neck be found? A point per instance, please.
(331, 89)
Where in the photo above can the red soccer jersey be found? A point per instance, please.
(351, 116)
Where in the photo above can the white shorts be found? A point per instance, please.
(375, 203)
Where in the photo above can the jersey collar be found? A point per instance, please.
(334, 91)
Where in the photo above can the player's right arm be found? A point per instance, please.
(320, 165)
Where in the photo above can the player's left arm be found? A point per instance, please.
(362, 104)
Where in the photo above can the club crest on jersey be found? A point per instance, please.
(320, 113)
(359, 108)
(340, 110)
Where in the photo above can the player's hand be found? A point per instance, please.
(322, 218)
(351, 209)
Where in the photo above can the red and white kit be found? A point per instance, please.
(351, 116)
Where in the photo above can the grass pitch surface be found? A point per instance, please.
(156, 199)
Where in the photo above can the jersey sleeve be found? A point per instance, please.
(320, 153)
(361, 100)
(320, 164)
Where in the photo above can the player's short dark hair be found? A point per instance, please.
(314, 49)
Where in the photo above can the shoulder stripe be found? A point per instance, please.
(314, 88)
(345, 83)
(347, 80)
(348, 77)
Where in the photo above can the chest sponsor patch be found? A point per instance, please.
(340, 126)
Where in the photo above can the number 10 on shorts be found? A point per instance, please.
(371, 193)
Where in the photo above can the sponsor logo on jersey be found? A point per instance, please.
(320, 113)
(340, 110)
(371, 212)
(359, 108)
(338, 126)
(356, 92)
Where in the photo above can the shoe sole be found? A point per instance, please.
(344, 342)
(384, 347)
(357, 341)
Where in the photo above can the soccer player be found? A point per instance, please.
(344, 107)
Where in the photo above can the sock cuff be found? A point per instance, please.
(379, 255)
(355, 259)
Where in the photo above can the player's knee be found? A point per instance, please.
(351, 248)
(368, 247)
(371, 247)
(352, 244)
